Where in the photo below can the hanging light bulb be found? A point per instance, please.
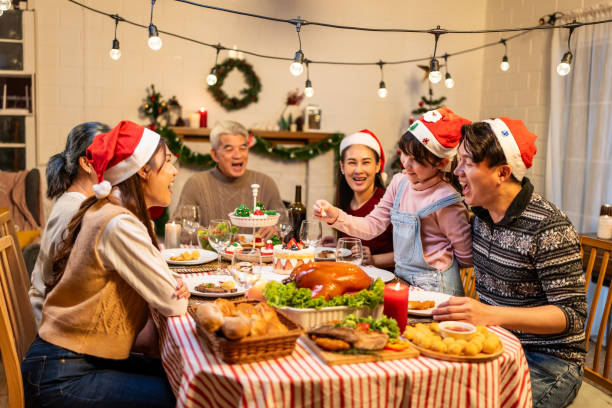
(565, 66)
(5, 5)
(505, 65)
(308, 89)
(382, 90)
(115, 52)
(296, 68)
(449, 82)
(211, 79)
(155, 42)
(435, 75)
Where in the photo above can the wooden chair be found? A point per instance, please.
(469, 282)
(598, 248)
(8, 346)
(15, 285)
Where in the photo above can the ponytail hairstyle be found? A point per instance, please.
(63, 167)
(132, 198)
(411, 146)
(344, 193)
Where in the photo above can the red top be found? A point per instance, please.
(382, 243)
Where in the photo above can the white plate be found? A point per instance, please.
(421, 295)
(193, 281)
(375, 272)
(205, 256)
(320, 250)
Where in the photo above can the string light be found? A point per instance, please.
(211, 79)
(308, 89)
(297, 66)
(505, 65)
(382, 89)
(5, 5)
(565, 66)
(115, 52)
(448, 82)
(435, 75)
(155, 43)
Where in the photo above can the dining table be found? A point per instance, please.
(201, 379)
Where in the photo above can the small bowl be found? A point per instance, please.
(457, 330)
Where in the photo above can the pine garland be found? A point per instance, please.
(261, 147)
(250, 93)
(154, 106)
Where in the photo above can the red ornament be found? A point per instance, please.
(398, 151)
(159, 110)
(152, 97)
(411, 121)
(421, 103)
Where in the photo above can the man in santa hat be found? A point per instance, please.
(527, 263)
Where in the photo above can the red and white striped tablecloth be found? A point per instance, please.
(199, 379)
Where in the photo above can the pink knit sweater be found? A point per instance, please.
(443, 233)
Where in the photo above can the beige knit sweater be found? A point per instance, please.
(93, 310)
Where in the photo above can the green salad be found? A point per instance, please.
(383, 324)
(279, 295)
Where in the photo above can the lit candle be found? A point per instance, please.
(396, 303)
(203, 117)
(173, 235)
(194, 120)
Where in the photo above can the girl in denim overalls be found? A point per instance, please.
(431, 232)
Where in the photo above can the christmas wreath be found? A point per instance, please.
(250, 93)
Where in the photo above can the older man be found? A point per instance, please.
(219, 190)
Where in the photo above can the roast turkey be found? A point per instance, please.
(330, 279)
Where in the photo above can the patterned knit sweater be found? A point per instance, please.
(532, 258)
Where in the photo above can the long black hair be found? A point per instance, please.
(411, 146)
(63, 167)
(344, 193)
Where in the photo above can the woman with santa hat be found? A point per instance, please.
(107, 273)
(527, 262)
(360, 187)
(431, 233)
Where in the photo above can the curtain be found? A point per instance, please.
(578, 176)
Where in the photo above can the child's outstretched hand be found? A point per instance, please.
(324, 211)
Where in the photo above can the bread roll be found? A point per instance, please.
(259, 327)
(235, 327)
(209, 316)
(227, 308)
(247, 310)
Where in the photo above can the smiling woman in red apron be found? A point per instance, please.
(431, 233)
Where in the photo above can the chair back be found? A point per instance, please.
(469, 282)
(600, 250)
(8, 346)
(15, 285)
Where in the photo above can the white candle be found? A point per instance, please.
(173, 235)
(194, 120)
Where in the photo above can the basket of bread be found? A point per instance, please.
(245, 331)
(318, 292)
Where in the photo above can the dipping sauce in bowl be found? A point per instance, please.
(457, 330)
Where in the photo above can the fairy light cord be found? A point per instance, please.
(152, 7)
(302, 22)
(382, 73)
(116, 18)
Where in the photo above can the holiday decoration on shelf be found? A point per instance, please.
(153, 107)
(294, 98)
(250, 93)
(425, 104)
(260, 146)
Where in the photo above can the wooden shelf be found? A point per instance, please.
(275, 136)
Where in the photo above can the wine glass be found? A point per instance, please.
(349, 250)
(311, 233)
(219, 236)
(190, 218)
(246, 267)
(285, 229)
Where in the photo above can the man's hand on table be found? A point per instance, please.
(464, 309)
(182, 291)
(266, 232)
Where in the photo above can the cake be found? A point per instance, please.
(290, 255)
(232, 247)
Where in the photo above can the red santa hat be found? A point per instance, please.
(119, 154)
(439, 131)
(366, 138)
(516, 141)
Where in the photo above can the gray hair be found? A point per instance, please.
(226, 127)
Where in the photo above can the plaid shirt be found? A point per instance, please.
(532, 258)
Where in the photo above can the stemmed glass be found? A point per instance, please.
(219, 237)
(190, 218)
(349, 250)
(311, 233)
(246, 267)
(284, 225)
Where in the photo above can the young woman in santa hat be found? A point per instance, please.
(431, 233)
(360, 187)
(108, 272)
(527, 262)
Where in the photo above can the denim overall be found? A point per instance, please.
(410, 264)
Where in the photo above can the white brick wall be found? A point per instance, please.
(523, 91)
